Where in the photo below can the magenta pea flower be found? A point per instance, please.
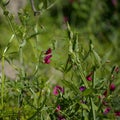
(82, 88)
(47, 56)
(58, 108)
(49, 51)
(47, 59)
(107, 110)
(58, 89)
(117, 113)
(60, 117)
(89, 77)
(112, 87)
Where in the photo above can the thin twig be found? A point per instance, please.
(33, 8)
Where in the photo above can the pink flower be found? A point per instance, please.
(82, 88)
(89, 77)
(117, 113)
(60, 117)
(58, 108)
(107, 110)
(47, 59)
(112, 87)
(58, 89)
(47, 56)
(49, 51)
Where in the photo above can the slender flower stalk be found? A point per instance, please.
(3, 81)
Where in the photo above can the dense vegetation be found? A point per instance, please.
(60, 61)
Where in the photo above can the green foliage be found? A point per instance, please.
(62, 69)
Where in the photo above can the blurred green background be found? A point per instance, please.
(98, 20)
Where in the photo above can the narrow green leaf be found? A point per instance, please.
(84, 106)
(93, 109)
(71, 86)
(97, 58)
(87, 92)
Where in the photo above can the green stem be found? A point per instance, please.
(93, 110)
(36, 41)
(93, 81)
(66, 65)
(82, 75)
(22, 61)
(3, 82)
(9, 22)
